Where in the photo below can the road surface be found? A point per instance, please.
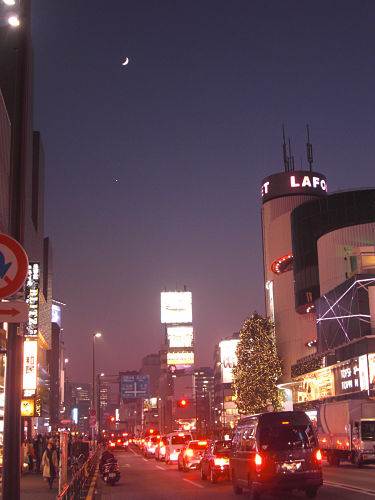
(143, 479)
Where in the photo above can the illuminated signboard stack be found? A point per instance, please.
(29, 405)
(177, 317)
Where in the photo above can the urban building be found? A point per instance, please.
(224, 407)
(335, 264)
(22, 216)
(151, 367)
(294, 326)
(319, 268)
(77, 405)
(56, 363)
(204, 399)
(177, 359)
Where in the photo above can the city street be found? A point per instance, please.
(143, 479)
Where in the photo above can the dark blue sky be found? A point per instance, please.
(189, 128)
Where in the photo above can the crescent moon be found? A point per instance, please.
(126, 62)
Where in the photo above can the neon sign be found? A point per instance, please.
(290, 183)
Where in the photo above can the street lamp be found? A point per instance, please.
(14, 21)
(9, 3)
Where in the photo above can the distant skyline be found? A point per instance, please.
(153, 169)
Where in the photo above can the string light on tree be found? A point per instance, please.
(258, 368)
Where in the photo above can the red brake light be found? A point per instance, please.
(119, 440)
(202, 443)
(258, 460)
(189, 452)
(318, 455)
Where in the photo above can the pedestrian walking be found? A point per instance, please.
(50, 464)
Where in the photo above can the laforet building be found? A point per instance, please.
(319, 278)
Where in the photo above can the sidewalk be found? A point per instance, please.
(34, 487)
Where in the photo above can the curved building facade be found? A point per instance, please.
(334, 224)
(281, 194)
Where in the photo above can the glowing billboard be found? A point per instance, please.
(32, 298)
(228, 358)
(181, 358)
(176, 307)
(28, 407)
(180, 336)
(30, 359)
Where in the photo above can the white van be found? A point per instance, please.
(174, 442)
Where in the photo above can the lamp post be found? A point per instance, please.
(96, 335)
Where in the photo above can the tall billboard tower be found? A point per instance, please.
(177, 318)
(281, 194)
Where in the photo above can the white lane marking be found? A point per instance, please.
(145, 459)
(350, 488)
(160, 467)
(194, 483)
(134, 453)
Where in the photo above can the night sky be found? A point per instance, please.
(189, 128)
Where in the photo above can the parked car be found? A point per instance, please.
(276, 452)
(215, 461)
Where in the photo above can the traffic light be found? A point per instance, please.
(112, 419)
(182, 403)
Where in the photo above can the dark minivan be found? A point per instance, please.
(276, 451)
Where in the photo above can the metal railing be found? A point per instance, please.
(78, 486)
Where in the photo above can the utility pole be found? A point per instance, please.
(19, 95)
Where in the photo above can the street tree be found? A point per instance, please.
(258, 368)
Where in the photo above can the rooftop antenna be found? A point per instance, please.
(309, 148)
(291, 157)
(285, 153)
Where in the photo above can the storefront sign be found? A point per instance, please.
(32, 298)
(30, 363)
(315, 385)
(28, 407)
(347, 377)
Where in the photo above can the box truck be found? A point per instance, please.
(346, 431)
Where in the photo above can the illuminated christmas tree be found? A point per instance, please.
(258, 368)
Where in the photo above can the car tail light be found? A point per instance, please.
(111, 444)
(221, 461)
(189, 453)
(318, 455)
(119, 440)
(258, 462)
(202, 443)
(162, 450)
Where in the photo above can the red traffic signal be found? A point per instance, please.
(182, 403)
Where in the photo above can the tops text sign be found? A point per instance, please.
(292, 183)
